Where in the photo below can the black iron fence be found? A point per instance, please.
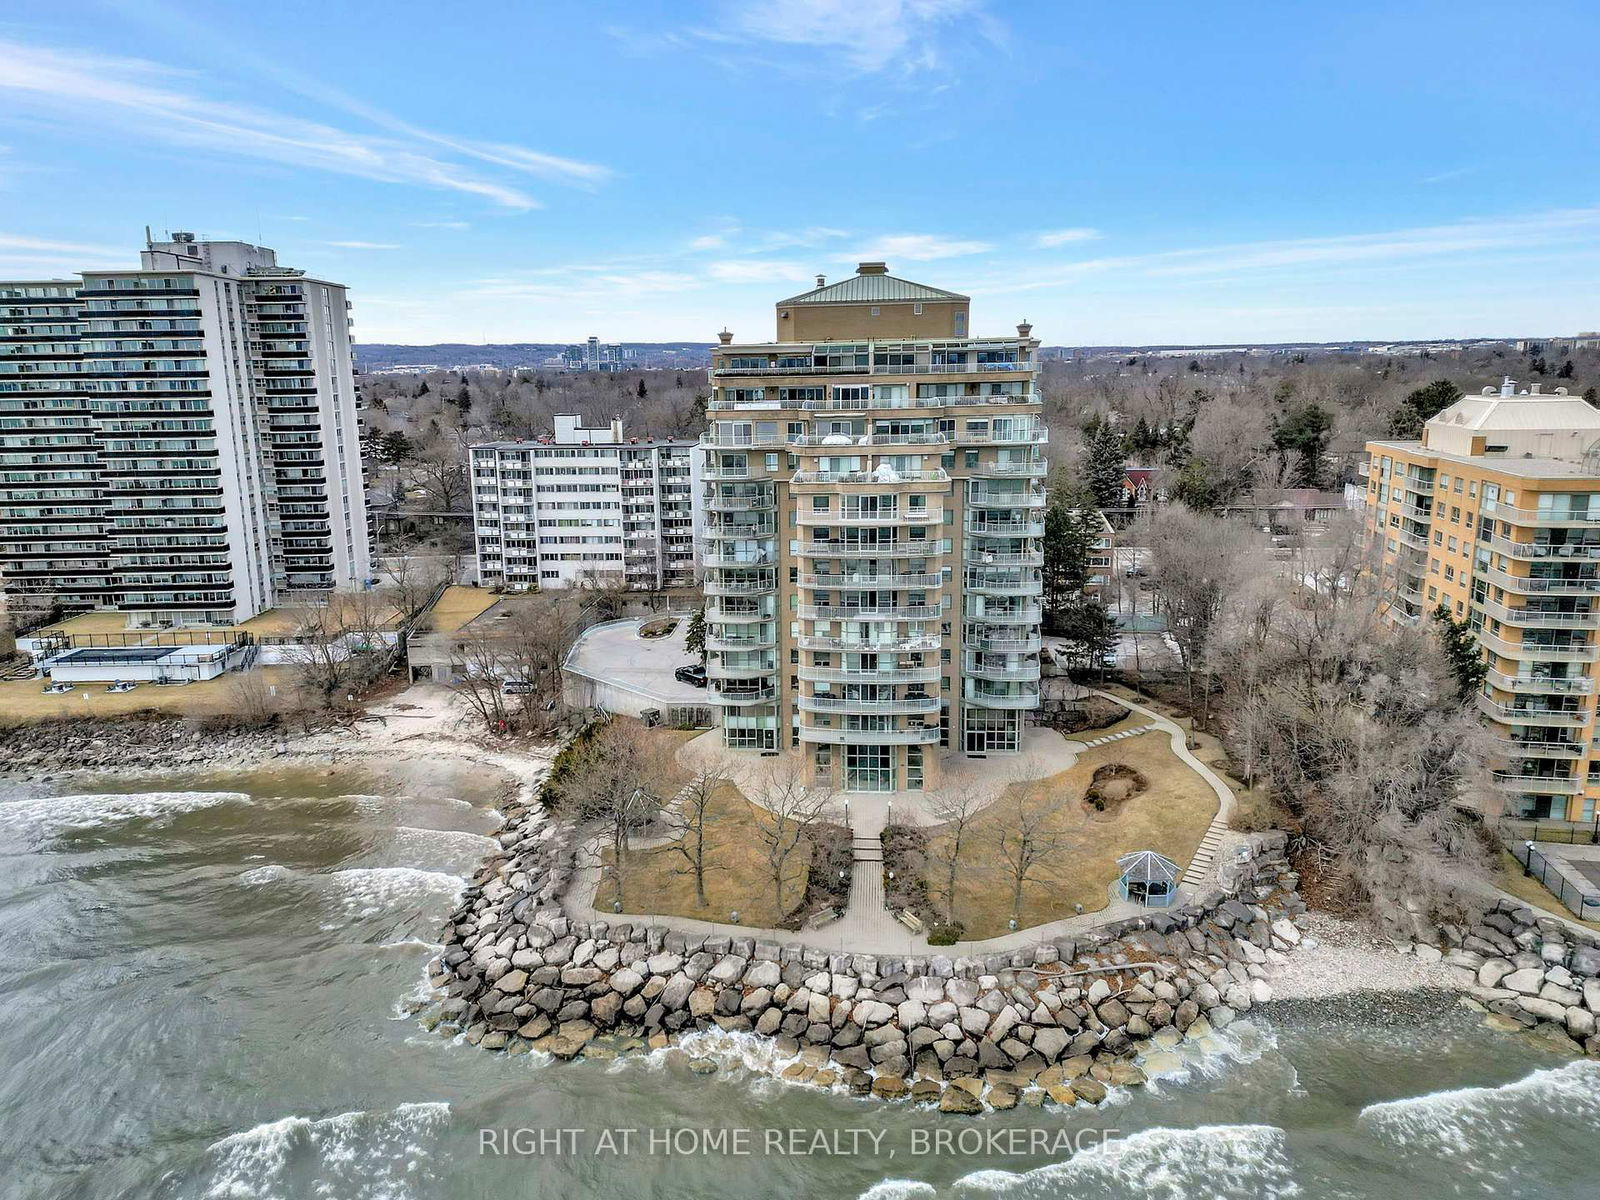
(1569, 833)
(1580, 900)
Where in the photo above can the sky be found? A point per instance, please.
(655, 170)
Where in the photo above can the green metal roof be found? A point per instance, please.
(871, 289)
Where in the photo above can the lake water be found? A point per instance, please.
(203, 988)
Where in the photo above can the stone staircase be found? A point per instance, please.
(1117, 737)
(1200, 865)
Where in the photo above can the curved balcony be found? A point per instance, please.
(724, 531)
(1012, 470)
(838, 580)
(735, 441)
(723, 558)
(1517, 748)
(739, 697)
(904, 706)
(1510, 715)
(1004, 586)
(1538, 618)
(721, 642)
(1541, 517)
(920, 548)
(716, 670)
(916, 735)
(1027, 614)
(841, 441)
(734, 616)
(715, 474)
(1531, 585)
(1560, 785)
(716, 503)
(905, 612)
(1534, 685)
(1027, 672)
(975, 557)
(1582, 652)
(928, 674)
(878, 478)
(1005, 529)
(1538, 550)
(989, 498)
(1032, 437)
(740, 587)
(929, 516)
(868, 643)
(1406, 538)
(975, 699)
(995, 644)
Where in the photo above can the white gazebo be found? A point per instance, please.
(1148, 878)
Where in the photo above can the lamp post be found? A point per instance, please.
(1527, 862)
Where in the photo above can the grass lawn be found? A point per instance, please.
(23, 701)
(1170, 816)
(738, 882)
(1531, 891)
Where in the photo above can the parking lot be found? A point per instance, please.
(615, 654)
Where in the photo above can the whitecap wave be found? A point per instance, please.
(52, 816)
(1482, 1131)
(369, 891)
(354, 1156)
(900, 1189)
(1222, 1162)
(260, 876)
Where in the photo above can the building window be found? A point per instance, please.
(916, 309)
(874, 310)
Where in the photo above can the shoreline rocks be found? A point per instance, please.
(1060, 1021)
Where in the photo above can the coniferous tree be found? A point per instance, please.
(1461, 648)
(1420, 405)
(694, 637)
(1105, 465)
(1566, 371)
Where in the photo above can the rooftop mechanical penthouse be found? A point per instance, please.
(873, 556)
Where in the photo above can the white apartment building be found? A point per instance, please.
(180, 442)
(586, 506)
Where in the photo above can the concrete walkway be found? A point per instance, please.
(867, 927)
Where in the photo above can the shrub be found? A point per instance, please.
(946, 935)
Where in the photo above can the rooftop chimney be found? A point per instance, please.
(822, 280)
(1024, 329)
(1508, 386)
(872, 268)
(725, 337)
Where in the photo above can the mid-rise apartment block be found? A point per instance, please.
(587, 506)
(1495, 514)
(873, 555)
(180, 442)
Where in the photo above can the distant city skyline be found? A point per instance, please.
(1196, 176)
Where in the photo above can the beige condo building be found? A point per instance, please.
(873, 556)
(1495, 514)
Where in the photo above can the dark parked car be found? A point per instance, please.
(694, 673)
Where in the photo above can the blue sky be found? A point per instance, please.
(650, 171)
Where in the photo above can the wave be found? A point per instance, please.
(52, 816)
(1482, 1130)
(900, 1189)
(1222, 1162)
(354, 1156)
(368, 891)
(271, 873)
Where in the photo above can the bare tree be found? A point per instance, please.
(334, 651)
(698, 842)
(1025, 837)
(784, 814)
(411, 579)
(512, 677)
(955, 807)
(616, 784)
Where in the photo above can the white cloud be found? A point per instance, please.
(442, 224)
(366, 245)
(1063, 237)
(752, 270)
(870, 35)
(14, 242)
(918, 247)
(143, 99)
(709, 241)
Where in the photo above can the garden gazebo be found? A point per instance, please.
(1148, 878)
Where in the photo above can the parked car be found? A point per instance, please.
(56, 689)
(516, 687)
(122, 685)
(694, 674)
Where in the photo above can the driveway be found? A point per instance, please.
(615, 653)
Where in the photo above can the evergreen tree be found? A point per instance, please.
(1304, 433)
(1420, 405)
(423, 390)
(1592, 395)
(396, 447)
(464, 398)
(694, 637)
(1071, 528)
(1105, 466)
(1566, 370)
(1090, 633)
(1467, 663)
(643, 391)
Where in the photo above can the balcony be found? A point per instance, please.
(718, 670)
(924, 735)
(978, 557)
(1031, 437)
(1564, 652)
(1538, 618)
(742, 558)
(1541, 550)
(837, 441)
(724, 643)
(1544, 784)
(979, 497)
(1541, 518)
(1005, 585)
(871, 643)
(1407, 538)
(861, 580)
(1023, 363)
(904, 612)
(921, 548)
(903, 706)
(881, 477)
(739, 697)
(1517, 748)
(1005, 529)
(979, 699)
(872, 519)
(1509, 715)
(1025, 614)
(928, 674)
(1034, 470)
(1027, 672)
(735, 441)
(737, 616)
(1535, 685)
(746, 530)
(716, 503)
(998, 644)
(1543, 586)
(718, 473)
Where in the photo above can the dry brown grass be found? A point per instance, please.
(1170, 817)
(457, 606)
(1531, 891)
(23, 701)
(659, 881)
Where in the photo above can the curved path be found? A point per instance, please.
(867, 927)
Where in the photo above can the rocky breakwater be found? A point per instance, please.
(1527, 972)
(1056, 1022)
(126, 743)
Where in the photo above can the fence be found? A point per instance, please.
(1583, 901)
(1570, 833)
